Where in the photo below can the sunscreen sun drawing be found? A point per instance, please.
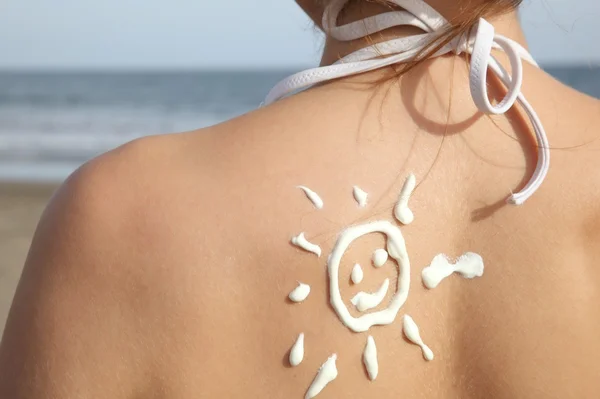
(469, 265)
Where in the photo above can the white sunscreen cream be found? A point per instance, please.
(469, 265)
(370, 358)
(357, 274)
(402, 212)
(380, 256)
(301, 242)
(360, 196)
(327, 373)
(297, 352)
(365, 301)
(300, 293)
(396, 247)
(312, 196)
(412, 333)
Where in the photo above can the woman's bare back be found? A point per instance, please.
(162, 269)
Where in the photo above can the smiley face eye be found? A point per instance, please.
(357, 274)
(380, 256)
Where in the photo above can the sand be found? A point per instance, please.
(21, 206)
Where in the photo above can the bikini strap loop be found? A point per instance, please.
(485, 38)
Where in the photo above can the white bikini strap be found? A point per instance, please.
(419, 14)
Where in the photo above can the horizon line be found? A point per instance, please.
(253, 68)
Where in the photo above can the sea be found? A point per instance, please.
(52, 122)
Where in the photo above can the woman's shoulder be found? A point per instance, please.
(114, 238)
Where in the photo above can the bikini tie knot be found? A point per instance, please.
(479, 43)
(460, 44)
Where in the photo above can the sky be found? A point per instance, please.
(194, 34)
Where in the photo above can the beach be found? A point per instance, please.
(21, 205)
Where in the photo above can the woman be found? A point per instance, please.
(163, 268)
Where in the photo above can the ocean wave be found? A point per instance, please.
(59, 147)
(36, 172)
